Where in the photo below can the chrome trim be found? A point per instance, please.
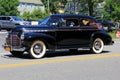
(19, 49)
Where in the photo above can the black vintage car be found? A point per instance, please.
(58, 31)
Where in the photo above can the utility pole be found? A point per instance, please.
(70, 6)
(48, 5)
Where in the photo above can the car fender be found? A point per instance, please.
(48, 39)
(103, 35)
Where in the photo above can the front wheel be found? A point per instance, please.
(97, 45)
(37, 49)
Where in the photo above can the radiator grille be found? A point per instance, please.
(15, 41)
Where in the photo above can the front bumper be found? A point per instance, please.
(9, 48)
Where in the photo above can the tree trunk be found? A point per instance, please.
(90, 7)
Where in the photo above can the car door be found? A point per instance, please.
(3, 22)
(11, 22)
(6, 22)
(68, 33)
(88, 27)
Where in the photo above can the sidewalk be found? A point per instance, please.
(116, 39)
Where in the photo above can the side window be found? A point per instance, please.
(7, 18)
(93, 23)
(53, 21)
(3, 18)
(72, 22)
(84, 22)
(87, 22)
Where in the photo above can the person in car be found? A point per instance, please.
(85, 22)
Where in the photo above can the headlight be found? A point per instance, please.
(22, 36)
(7, 35)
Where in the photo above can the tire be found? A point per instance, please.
(37, 49)
(16, 53)
(97, 45)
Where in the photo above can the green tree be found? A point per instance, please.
(112, 9)
(26, 15)
(35, 15)
(89, 6)
(9, 7)
(54, 5)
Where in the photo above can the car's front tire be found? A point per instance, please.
(37, 49)
(97, 45)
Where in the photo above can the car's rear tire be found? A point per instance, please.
(37, 49)
(97, 45)
(16, 53)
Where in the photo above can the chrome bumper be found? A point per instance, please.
(9, 48)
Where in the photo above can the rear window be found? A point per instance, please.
(87, 22)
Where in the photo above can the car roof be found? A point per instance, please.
(74, 16)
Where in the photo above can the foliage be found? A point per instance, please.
(89, 6)
(112, 9)
(54, 5)
(112, 34)
(9, 7)
(35, 15)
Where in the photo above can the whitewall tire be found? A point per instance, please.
(38, 49)
(97, 45)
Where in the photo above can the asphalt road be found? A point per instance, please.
(62, 65)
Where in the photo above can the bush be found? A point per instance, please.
(35, 15)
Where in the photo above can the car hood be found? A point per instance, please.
(23, 22)
(31, 28)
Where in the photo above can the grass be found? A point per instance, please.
(112, 34)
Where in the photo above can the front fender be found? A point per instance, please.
(48, 39)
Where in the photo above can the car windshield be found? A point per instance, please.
(44, 22)
(51, 21)
(17, 18)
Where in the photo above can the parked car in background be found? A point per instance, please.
(35, 22)
(10, 22)
(39, 22)
(107, 23)
(58, 31)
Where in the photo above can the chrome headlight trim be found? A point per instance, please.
(22, 37)
(7, 35)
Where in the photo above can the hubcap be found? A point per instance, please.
(97, 45)
(37, 49)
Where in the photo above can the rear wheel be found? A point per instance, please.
(37, 49)
(97, 45)
(16, 53)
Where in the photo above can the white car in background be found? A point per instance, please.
(10, 22)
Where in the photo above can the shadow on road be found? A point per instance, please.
(52, 54)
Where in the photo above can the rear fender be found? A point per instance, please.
(104, 36)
